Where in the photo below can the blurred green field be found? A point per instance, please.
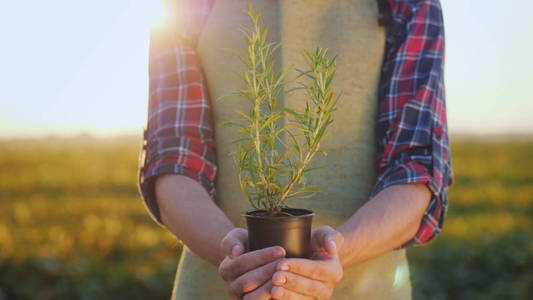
(72, 225)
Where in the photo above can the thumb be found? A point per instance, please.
(333, 241)
(234, 243)
(327, 239)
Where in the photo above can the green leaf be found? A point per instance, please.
(244, 115)
(273, 118)
(306, 73)
(306, 170)
(232, 124)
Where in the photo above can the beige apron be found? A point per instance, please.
(350, 29)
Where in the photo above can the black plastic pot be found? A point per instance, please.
(293, 233)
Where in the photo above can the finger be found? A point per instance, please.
(250, 281)
(281, 293)
(232, 268)
(333, 241)
(302, 285)
(324, 270)
(327, 239)
(262, 293)
(234, 243)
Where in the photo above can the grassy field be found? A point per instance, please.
(72, 225)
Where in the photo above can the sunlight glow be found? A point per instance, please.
(154, 12)
(89, 72)
(68, 67)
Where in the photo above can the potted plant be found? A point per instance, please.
(277, 144)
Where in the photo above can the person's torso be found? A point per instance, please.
(349, 29)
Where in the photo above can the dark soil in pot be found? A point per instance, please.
(292, 231)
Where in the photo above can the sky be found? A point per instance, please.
(70, 67)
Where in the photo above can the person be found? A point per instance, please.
(389, 166)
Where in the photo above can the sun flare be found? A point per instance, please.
(154, 12)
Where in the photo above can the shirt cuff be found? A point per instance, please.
(434, 214)
(147, 184)
(180, 162)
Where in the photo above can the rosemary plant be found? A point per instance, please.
(278, 143)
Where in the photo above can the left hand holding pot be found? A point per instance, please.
(247, 274)
(315, 278)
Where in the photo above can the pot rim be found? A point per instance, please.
(309, 213)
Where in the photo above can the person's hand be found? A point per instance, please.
(247, 274)
(315, 278)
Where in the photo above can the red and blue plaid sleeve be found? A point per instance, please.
(179, 137)
(412, 128)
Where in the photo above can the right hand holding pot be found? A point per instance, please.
(247, 274)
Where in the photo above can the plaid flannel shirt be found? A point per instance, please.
(412, 133)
